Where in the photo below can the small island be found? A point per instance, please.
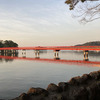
(7, 43)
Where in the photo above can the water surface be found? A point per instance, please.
(18, 75)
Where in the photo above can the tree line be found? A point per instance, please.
(8, 43)
(93, 43)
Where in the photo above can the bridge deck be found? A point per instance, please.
(54, 48)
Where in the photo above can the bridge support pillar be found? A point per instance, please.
(56, 54)
(5, 52)
(86, 52)
(11, 50)
(23, 52)
(14, 51)
(37, 53)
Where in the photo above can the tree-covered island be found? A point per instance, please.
(8, 43)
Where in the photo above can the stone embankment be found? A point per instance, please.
(86, 87)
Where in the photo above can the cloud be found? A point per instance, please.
(38, 21)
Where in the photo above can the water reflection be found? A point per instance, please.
(25, 70)
(91, 53)
(10, 57)
(7, 55)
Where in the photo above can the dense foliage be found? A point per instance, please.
(8, 43)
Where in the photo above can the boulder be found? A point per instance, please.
(63, 86)
(95, 75)
(37, 91)
(84, 79)
(53, 88)
(94, 91)
(23, 96)
(74, 80)
(80, 94)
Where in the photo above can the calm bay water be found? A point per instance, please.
(17, 76)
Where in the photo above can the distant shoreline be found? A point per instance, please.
(92, 43)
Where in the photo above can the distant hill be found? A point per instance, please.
(93, 43)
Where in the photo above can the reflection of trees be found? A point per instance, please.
(1, 59)
(8, 60)
(8, 54)
(85, 10)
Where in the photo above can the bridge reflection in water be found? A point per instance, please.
(61, 61)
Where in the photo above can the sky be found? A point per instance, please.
(43, 23)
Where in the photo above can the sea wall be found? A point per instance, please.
(86, 87)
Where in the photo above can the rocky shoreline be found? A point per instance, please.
(86, 87)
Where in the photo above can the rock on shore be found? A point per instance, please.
(86, 87)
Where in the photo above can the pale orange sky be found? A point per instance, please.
(36, 23)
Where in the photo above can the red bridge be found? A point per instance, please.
(56, 49)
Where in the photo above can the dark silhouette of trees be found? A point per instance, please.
(8, 43)
(1, 44)
(93, 43)
(85, 10)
